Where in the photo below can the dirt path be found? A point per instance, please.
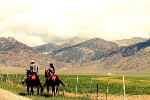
(110, 97)
(6, 95)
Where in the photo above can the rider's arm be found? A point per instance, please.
(31, 68)
(37, 69)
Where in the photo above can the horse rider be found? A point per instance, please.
(33, 67)
(52, 69)
(34, 70)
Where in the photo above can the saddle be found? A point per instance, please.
(53, 77)
(33, 77)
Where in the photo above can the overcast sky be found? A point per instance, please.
(35, 22)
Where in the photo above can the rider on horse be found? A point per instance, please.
(33, 67)
(52, 79)
(33, 70)
(49, 72)
(51, 69)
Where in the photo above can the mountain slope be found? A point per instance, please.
(46, 48)
(69, 42)
(128, 42)
(14, 53)
(50, 47)
(134, 57)
(133, 49)
(83, 52)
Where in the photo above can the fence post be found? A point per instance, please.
(76, 87)
(97, 93)
(107, 89)
(19, 80)
(90, 87)
(66, 83)
(123, 89)
(64, 91)
(7, 77)
(1, 76)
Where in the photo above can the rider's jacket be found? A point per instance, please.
(34, 68)
(51, 71)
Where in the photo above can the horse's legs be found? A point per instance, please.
(32, 90)
(57, 89)
(41, 87)
(28, 89)
(53, 90)
(37, 90)
(47, 89)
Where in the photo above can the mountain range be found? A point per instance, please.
(133, 55)
(17, 54)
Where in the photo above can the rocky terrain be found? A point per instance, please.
(16, 54)
(78, 52)
(132, 41)
(50, 47)
(85, 51)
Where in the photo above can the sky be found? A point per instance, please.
(36, 22)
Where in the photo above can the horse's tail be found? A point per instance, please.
(61, 82)
(57, 77)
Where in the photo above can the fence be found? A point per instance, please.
(75, 84)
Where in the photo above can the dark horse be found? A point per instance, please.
(53, 81)
(33, 81)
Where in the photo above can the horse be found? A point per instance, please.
(33, 81)
(53, 81)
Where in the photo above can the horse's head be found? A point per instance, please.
(46, 73)
(28, 71)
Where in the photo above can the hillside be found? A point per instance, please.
(134, 57)
(16, 54)
(85, 51)
(46, 48)
(96, 53)
(131, 41)
(50, 47)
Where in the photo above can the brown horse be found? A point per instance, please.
(53, 81)
(33, 81)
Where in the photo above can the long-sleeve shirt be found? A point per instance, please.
(34, 68)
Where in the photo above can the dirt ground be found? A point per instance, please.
(111, 97)
(6, 95)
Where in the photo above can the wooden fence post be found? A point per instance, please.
(107, 89)
(90, 87)
(123, 89)
(97, 92)
(64, 91)
(19, 79)
(76, 87)
(1, 76)
(65, 83)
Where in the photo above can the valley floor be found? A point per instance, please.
(7, 95)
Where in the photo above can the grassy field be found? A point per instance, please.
(135, 83)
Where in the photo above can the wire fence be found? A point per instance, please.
(78, 85)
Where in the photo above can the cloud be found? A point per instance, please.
(54, 20)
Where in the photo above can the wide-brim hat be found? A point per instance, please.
(32, 61)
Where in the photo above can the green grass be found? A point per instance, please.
(21, 90)
(134, 85)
